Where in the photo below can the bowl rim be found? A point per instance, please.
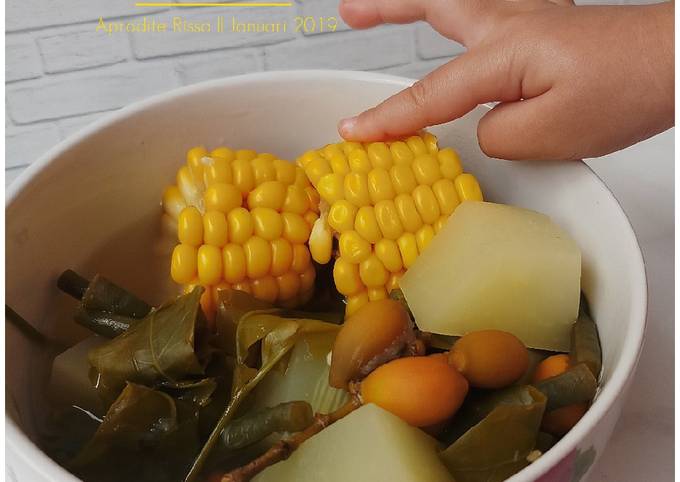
(23, 448)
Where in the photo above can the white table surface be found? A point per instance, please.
(642, 445)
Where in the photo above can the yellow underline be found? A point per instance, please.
(214, 4)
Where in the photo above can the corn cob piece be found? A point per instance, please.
(384, 202)
(243, 221)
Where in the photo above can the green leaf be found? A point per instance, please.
(276, 336)
(165, 346)
(497, 447)
(135, 439)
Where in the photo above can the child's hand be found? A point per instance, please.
(572, 82)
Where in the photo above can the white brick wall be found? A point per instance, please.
(61, 74)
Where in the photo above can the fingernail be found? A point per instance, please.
(346, 126)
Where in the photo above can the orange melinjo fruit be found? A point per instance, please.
(376, 333)
(421, 390)
(561, 420)
(490, 358)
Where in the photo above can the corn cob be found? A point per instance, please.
(384, 202)
(242, 220)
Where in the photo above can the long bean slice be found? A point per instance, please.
(255, 426)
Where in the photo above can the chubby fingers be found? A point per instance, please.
(445, 94)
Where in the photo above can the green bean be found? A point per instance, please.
(585, 342)
(253, 427)
(576, 385)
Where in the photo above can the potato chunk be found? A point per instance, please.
(368, 445)
(495, 266)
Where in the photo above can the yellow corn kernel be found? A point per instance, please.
(430, 141)
(417, 146)
(439, 224)
(380, 185)
(330, 187)
(349, 146)
(366, 224)
(388, 253)
(269, 194)
(379, 155)
(423, 237)
(426, 169)
(346, 277)
(265, 288)
(190, 226)
(408, 213)
(215, 229)
(258, 257)
(263, 170)
(267, 156)
(373, 272)
(449, 163)
(173, 201)
(295, 228)
(377, 293)
(194, 161)
(209, 264)
(285, 171)
(353, 247)
(282, 256)
(408, 247)
(426, 204)
(215, 290)
(189, 188)
(401, 154)
(309, 156)
(217, 169)
(393, 282)
(358, 161)
(310, 218)
(388, 219)
(317, 168)
(445, 192)
(301, 259)
(341, 215)
(223, 153)
(330, 150)
(267, 223)
(222, 197)
(307, 278)
(296, 200)
(240, 224)
(246, 154)
(403, 179)
(234, 263)
(301, 179)
(468, 188)
(183, 263)
(243, 286)
(356, 189)
(289, 285)
(355, 302)
(243, 176)
(339, 163)
(313, 198)
(321, 241)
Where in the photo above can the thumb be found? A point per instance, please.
(445, 94)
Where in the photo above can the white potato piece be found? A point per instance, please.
(70, 383)
(368, 445)
(494, 266)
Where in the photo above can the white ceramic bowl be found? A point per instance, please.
(92, 203)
